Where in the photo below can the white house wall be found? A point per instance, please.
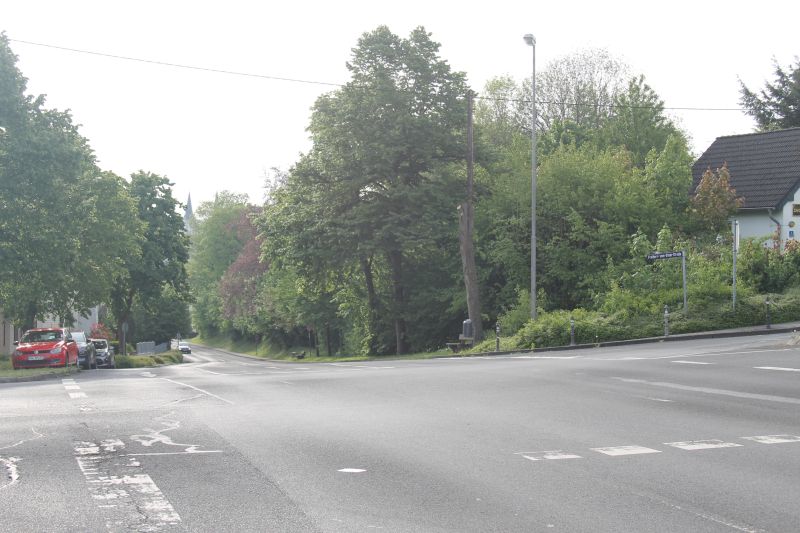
(6, 335)
(790, 229)
(755, 224)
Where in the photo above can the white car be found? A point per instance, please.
(184, 347)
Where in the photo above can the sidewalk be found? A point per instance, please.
(788, 327)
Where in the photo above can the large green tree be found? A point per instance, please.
(161, 259)
(370, 179)
(777, 105)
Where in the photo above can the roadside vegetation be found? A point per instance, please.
(171, 357)
(7, 371)
(356, 252)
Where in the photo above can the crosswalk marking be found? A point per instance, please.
(773, 439)
(624, 450)
(76, 395)
(702, 444)
(549, 455)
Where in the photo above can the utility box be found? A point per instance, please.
(467, 331)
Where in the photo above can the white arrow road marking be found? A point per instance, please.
(777, 368)
(773, 439)
(157, 436)
(624, 450)
(702, 444)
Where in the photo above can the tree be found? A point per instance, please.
(369, 182)
(215, 245)
(637, 122)
(161, 259)
(777, 106)
(714, 201)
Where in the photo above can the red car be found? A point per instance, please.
(45, 347)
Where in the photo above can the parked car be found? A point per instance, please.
(184, 347)
(42, 347)
(87, 357)
(104, 353)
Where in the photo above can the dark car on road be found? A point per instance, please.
(87, 357)
(104, 353)
(45, 347)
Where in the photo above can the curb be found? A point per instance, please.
(38, 377)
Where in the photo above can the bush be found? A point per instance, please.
(144, 361)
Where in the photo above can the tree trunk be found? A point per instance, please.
(372, 304)
(328, 338)
(400, 328)
(29, 320)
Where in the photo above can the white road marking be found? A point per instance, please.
(624, 450)
(351, 470)
(777, 368)
(147, 375)
(153, 437)
(773, 439)
(721, 392)
(693, 362)
(196, 396)
(12, 472)
(72, 387)
(171, 453)
(75, 395)
(702, 444)
(548, 455)
(198, 390)
(36, 434)
(130, 499)
(69, 381)
(660, 400)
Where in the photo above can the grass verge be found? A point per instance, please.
(172, 357)
(7, 371)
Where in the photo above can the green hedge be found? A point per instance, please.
(143, 361)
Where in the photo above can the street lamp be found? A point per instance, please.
(530, 40)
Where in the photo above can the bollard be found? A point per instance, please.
(497, 337)
(571, 331)
(666, 321)
(769, 326)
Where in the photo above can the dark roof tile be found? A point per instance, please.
(764, 167)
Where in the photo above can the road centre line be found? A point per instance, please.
(693, 362)
(709, 390)
(773, 439)
(624, 450)
(199, 390)
(548, 455)
(784, 369)
(692, 445)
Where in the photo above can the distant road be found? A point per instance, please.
(700, 436)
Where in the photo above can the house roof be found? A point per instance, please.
(764, 167)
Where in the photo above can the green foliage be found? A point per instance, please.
(778, 104)
(769, 269)
(714, 202)
(159, 317)
(147, 361)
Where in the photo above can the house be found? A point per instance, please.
(8, 335)
(765, 170)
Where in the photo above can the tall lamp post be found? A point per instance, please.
(530, 40)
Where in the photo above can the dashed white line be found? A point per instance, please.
(773, 439)
(702, 444)
(72, 387)
(624, 450)
(709, 390)
(76, 395)
(548, 455)
(351, 470)
(692, 362)
(783, 369)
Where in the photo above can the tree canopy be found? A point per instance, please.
(777, 105)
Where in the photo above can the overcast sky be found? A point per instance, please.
(208, 132)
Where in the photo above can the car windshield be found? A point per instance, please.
(101, 344)
(79, 336)
(42, 336)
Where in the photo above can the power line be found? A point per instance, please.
(331, 84)
(176, 65)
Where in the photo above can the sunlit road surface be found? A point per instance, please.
(688, 436)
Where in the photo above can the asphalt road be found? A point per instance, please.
(698, 436)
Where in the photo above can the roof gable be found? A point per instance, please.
(764, 167)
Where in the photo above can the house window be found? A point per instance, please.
(796, 210)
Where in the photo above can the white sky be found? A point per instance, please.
(208, 132)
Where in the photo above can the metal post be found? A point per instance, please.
(531, 41)
(497, 337)
(769, 325)
(666, 321)
(571, 331)
(683, 267)
(735, 228)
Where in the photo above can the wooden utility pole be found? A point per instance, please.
(465, 229)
